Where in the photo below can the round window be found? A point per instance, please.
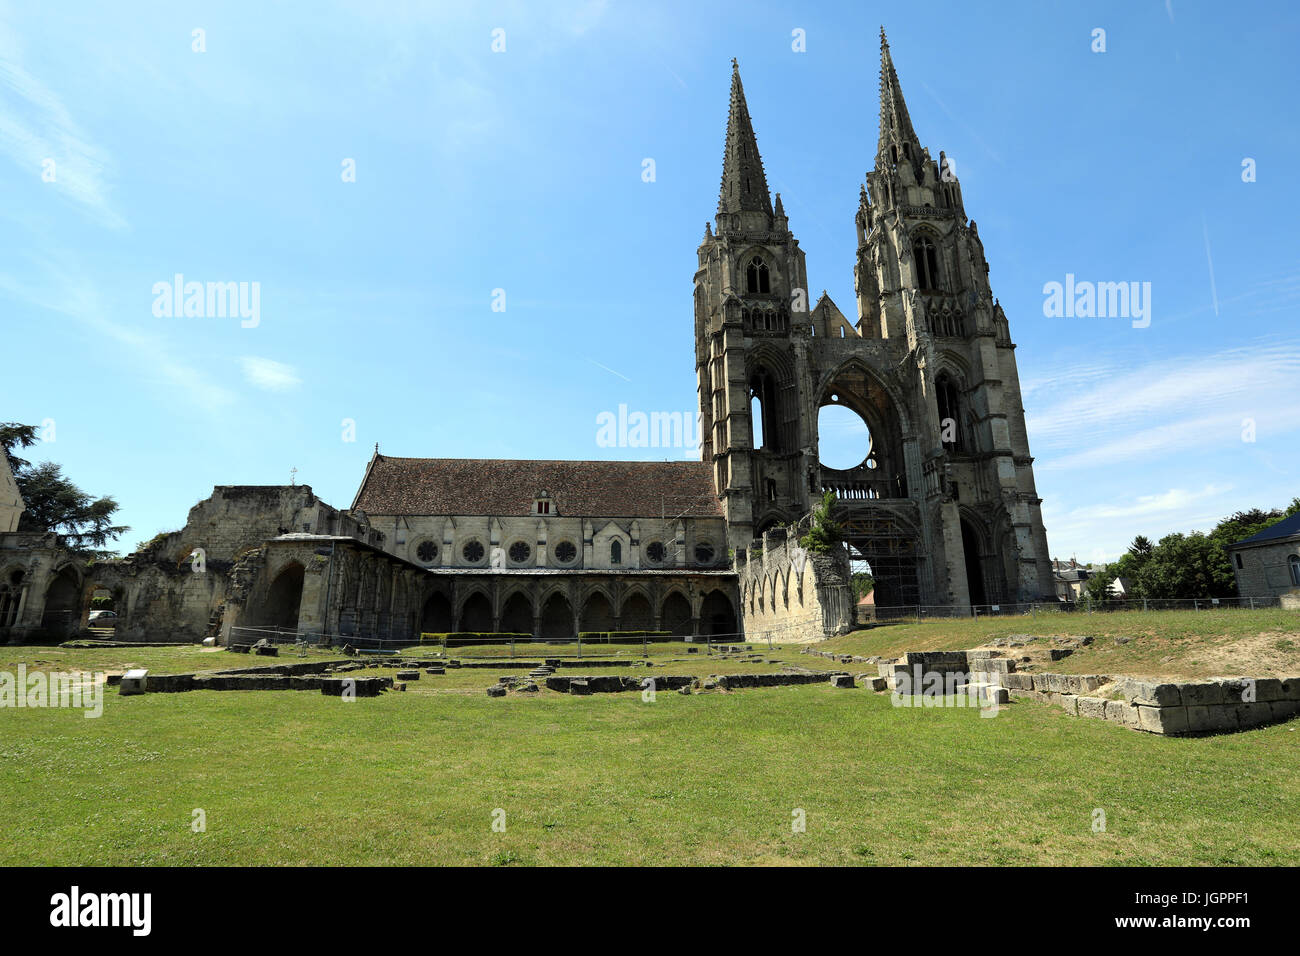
(655, 551)
(472, 552)
(519, 552)
(704, 553)
(565, 552)
(427, 552)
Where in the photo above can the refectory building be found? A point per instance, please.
(553, 548)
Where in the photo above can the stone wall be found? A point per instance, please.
(1192, 707)
(439, 541)
(790, 595)
(176, 588)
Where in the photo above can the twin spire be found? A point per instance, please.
(744, 184)
(895, 124)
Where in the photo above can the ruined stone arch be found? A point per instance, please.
(717, 615)
(1003, 540)
(517, 612)
(856, 364)
(772, 518)
(978, 557)
(62, 601)
(11, 589)
(676, 614)
(557, 619)
(952, 401)
(475, 610)
(882, 473)
(773, 408)
(435, 613)
(636, 610)
(597, 611)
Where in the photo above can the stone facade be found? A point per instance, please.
(181, 586)
(11, 502)
(943, 504)
(1267, 565)
(554, 548)
(792, 596)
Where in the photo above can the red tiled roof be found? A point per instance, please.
(484, 486)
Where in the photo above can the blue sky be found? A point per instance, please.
(522, 170)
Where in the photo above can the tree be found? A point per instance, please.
(54, 503)
(823, 534)
(13, 436)
(863, 584)
(1141, 547)
(1187, 566)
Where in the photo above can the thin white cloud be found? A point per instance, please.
(1108, 527)
(1099, 415)
(67, 291)
(269, 374)
(37, 129)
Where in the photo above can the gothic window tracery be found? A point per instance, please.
(951, 424)
(757, 278)
(927, 263)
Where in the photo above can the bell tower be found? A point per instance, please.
(922, 285)
(750, 315)
(941, 503)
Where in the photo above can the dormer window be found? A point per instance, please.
(542, 504)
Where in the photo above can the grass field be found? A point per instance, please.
(290, 778)
(1187, 644)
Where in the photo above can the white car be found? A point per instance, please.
(102, 619)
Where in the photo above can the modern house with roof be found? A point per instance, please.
(1267, 564)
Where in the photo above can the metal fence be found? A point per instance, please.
(920, 612)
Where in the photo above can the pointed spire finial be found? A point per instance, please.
(895, 123)
(744, 184)
(780, 209)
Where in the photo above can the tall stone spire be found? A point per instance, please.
(895, 124)
(744, 184)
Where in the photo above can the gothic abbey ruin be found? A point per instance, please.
(942, 505)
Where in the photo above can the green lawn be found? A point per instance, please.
(412, 778)
(1187, 644)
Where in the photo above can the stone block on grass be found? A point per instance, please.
(1151, 694)
(1094, 707)
(1163, 720)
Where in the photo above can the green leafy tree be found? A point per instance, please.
(1141, 547)
(14, 437)
(863, 584)
(1186, 566)
(824, 535)
(54, 502)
